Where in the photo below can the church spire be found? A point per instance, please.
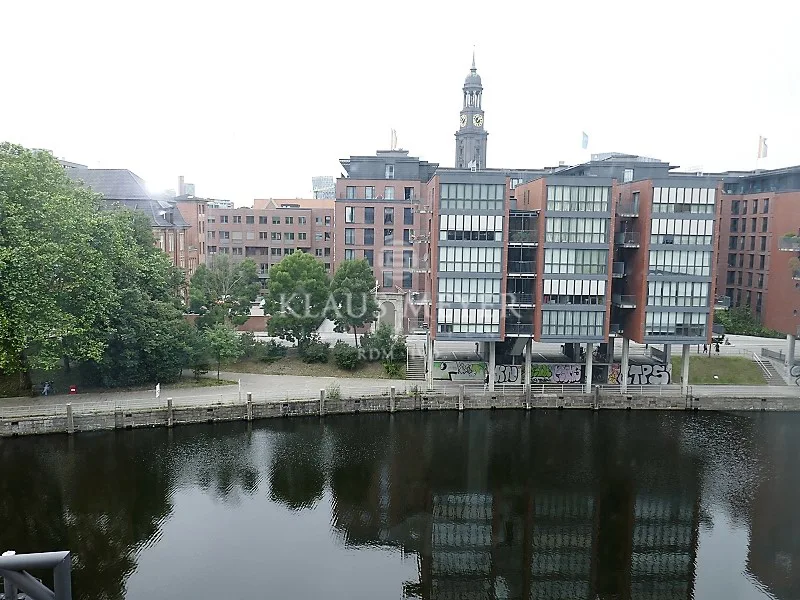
(471, 136)
(473, 69)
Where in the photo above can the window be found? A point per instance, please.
(732, 242)
(263, 268)
(683, 200)
(318, 252)
(327, 251)
(327, 237)
(741, 261)
(759, 297)
(627, 176)
(472, 196)
(369, 236)
(369, 192)
(276, 235)
(388, 258)
(276, 220)
(760, 280)
(755, 206)
(683, 324)
(470, 227)
(744, 207)
(750, 260)
(236, 251)
(408, 216)
(289, 220)
(752, 242)
(223, 218)
(408, 257)
(749, 300)
(388, 193)
(263, 235)
(467, 320)
(224, 250)
(388, 215)
(407, 280)
(349, 236)
(515, 181)
(369, 256)
(328, 221)
(289, 235)
(388, 279)
(302, 235)
(369, 214)
(351, 192)
(408, 193)
(763, 243)
(753, 224)
(734, 225)
(762, 261)
(212, 249)
(471, 260)
(581, 262)
(680, 262)
(288, 251)
(764, 224)
(318, 220)
(318, 236)
(469, 290)
(407, 234)
(576, 230)
(388, 237)
(750, 279)
(250, 219)
(224, 235)
(738, 278)
(301, 220)
(731, 260)
(765, 206)
(327, 266)
(211, 235)
(731, 277)
(262, 220)
(276, 252)
(349, 254)
(349, 214)
(561, 323)
(735, 207)
(389, 171)
(212, 219)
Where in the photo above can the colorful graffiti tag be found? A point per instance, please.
(556, 373)
(641, 374)
(473, 371)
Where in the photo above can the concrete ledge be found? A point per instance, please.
(159, 417)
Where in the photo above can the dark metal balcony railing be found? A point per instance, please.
(614, 329)
(527, 267)
(789, 243)
(520, 298)
(618, 269)
(624, 300)
(722, 303)
(523, 237)
(628, 209)
(627, 238)
(519, 328)
(796, 274)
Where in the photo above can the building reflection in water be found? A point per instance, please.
(535, 507)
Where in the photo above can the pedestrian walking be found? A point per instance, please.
(705, 348)
(717, 349)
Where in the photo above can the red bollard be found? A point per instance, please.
(73, 389)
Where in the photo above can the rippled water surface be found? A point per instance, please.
(443, 506)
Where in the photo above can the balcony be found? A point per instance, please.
(519, 299)
(615, 329)
(629, 208)
(789, 243)
(525, 268)
(722, 303)
(420, 298)
(519, 329)
(624, 300)
(618, 270)
(627, 239)
(522, 238)
(796, 274)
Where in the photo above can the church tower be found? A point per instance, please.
(471, 136)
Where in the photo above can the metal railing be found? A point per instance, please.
(14, 572)
(629, 208)
(627, 238)
(722, 303)
(789, 243)
(519, 328)
(624, 300)
(763, 365)
(618, 269)
(776, 355)
(420, 298)
(523, 237)
(513, 298)
(524, 267)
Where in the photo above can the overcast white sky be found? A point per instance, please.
(253, 99)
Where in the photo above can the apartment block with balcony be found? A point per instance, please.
(271, 230)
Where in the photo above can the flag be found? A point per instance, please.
(762, 147)
(585, 141)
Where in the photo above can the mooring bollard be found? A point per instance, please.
(392, 399)
(170, 416)
(322, 402)
(461, 397)
(249, 406)
(597, 397)
(70, 420)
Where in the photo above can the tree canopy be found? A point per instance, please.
(223, 290)
(353, 292)
(297, 297)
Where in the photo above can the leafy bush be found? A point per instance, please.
(394, 370)
(314, 350)
(383, 345)
(345, 356)
(741, 321)
(333, 392)
(273, 350)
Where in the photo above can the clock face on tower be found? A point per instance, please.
(477, 120)
(463, 120)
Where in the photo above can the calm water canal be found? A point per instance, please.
(439, 506)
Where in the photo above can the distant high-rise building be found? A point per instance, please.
(324, 187)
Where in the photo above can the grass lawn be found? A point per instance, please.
(731, 370)
(291, 364)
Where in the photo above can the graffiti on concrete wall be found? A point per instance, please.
(508, 374)
(556, 373)
(614, 374)
(649, 374)
(794, 372)
(460, 370)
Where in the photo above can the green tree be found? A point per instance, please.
(222, 343)
(56, 288)
(353, 293)
(297, 297)
(223, 290)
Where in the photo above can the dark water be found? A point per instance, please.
(481, 505)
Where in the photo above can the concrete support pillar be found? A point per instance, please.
(429, 366)
(623, 372)
(527, 379)
(322, 402)
(667, 353)
(589, 350)
(70, 420)
(685, 369)
(492, 348)
(789, 352)
(392, 399)
(249, 406)
(170, 414)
